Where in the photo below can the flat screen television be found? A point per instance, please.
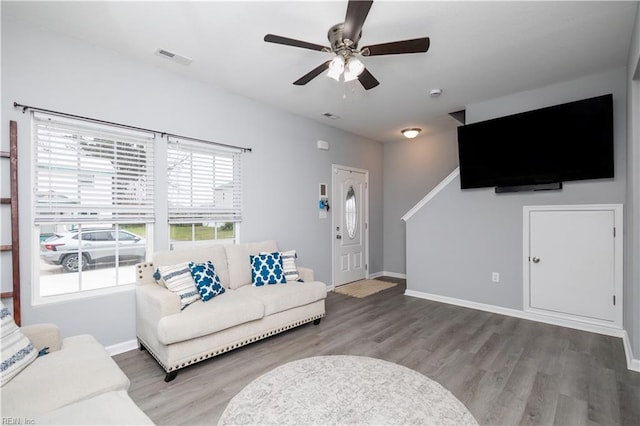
(539, 149)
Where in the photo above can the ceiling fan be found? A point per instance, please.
(344, 38)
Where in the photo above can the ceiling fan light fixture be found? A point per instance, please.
(410, 133)
(336, 67)
(354, 69)
(343, 41)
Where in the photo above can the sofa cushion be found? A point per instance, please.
(222, 312)
(278, 298)
(177, 278)
(239, 262)
(16, 348)
(206, 279)
(110, 408)
(215, 253)
(81, 369)
(267, 269)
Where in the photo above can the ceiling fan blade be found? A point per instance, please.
(311, 74)
(417, 45)
(367, 80)
(272, 38)
(357, 11)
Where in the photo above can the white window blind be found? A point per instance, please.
(204, 182)
(88, 172)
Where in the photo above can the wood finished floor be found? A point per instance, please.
(506, 370)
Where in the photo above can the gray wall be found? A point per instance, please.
(412, 168)
(458, 239)
(281, 175)
(632, 212)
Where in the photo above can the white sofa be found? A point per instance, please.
(242, 315)
(76, 383)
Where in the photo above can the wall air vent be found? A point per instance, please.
(172, 56)
(331, 116)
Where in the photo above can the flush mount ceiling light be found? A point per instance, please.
(410, 133)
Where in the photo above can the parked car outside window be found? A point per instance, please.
(97, 246)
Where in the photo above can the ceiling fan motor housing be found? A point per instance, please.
(338, 44)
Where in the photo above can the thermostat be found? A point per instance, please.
(323, 190)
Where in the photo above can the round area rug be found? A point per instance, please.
(345, 390)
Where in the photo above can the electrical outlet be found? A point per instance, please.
(495, 277)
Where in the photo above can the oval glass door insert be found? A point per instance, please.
(351, 213)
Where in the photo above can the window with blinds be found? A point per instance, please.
(204, 182)
(87, 172)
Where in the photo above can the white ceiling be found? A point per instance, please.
(479, 50)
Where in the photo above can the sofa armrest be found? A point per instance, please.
(306, 274)
(43, 335)
(154, 302)
(144, 273)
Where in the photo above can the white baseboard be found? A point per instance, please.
(122, 347)
(388, 274)
(632, 363)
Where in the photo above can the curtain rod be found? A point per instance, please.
(126, 126)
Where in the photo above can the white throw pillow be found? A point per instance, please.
(178, 279)
(289, 265)
(16, 348)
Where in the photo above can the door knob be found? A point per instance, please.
(536, 259)
(339, 237)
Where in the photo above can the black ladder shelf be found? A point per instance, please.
(12, 201)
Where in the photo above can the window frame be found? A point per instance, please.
(156, 229)
(35, 226)
(194, 243)
(37, 299)
(201, 200)
(211, 156)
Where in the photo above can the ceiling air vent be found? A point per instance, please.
(172, 56)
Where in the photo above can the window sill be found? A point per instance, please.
(38, 300)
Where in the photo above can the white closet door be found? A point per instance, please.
(572, 262)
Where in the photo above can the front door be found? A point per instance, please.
(350, 226)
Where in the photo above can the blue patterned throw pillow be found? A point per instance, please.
(289, 265)
(267, 269)
(206, 279)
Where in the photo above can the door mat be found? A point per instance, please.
(364, 288)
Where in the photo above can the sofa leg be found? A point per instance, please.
(141, 346)
(170, 376)
(317, 321)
